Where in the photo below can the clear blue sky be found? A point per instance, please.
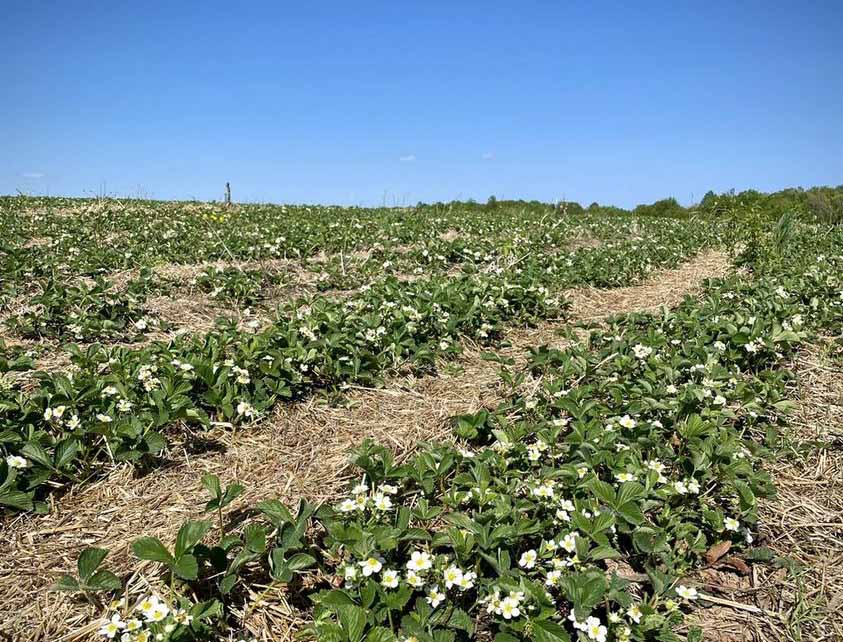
(621, 103)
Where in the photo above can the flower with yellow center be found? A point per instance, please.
(389, 579)
(419, 561)
(370, 566)
(510, 608)
(452, 575)
(158, 613)
(113, 626)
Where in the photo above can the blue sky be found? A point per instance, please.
(406, 101)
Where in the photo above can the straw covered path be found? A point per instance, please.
(300, 450)
(803, 523)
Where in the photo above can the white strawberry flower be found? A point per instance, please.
(371, 565)
(245, 409)
(112, 627)
(569, 542)
(347, 506)
(467, 581)
(389, 578)
(382, 502)
(595, 630)
(414, 579)
(158, 613)
(686, 592)
(641, 351)
(627, 422)
(16, 461)
(419, 561)
(452, 575)
(350, 573)
(528, 559)
(634, 613)
(510, 608)
(435, 597)
(360, 488)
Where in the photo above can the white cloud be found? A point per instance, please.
(407, 159)
(488, 155)
(32, 175)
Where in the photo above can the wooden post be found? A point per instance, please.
(227, 194)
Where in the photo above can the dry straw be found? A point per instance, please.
(300, 450)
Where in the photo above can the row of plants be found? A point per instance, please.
(78, 237)
(579, 508)
(86, 312)
(245, 287)
(117, 404)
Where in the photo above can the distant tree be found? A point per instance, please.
(665, 207)
(492, 203)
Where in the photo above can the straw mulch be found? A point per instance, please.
(301, 450)
(804, 523)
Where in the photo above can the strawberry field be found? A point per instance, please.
(512, 421)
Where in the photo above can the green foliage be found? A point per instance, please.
(89, 579)
(638, 448)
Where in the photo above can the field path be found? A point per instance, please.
(301, 450)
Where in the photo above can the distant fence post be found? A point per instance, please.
(227, 194)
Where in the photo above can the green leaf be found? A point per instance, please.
(17, 499)
(628, 492)
(301, 560)
(337, 597)
(646, 539)
(547, 631)
(695, 634)
(227, 584)
(35, 451)
(155, 442)
(151, 548)
(66, 583)
(631, 512)
(89, 560)
(276, 512)
(461, 620)
(255, 538)
(603, 491)
(104, 581)
(353, 622)
(189, 535)
(232, 493)
(368, 593)
(207, 609)
(186, 567)
(212, 485)
(65, 452)
(380, 634)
